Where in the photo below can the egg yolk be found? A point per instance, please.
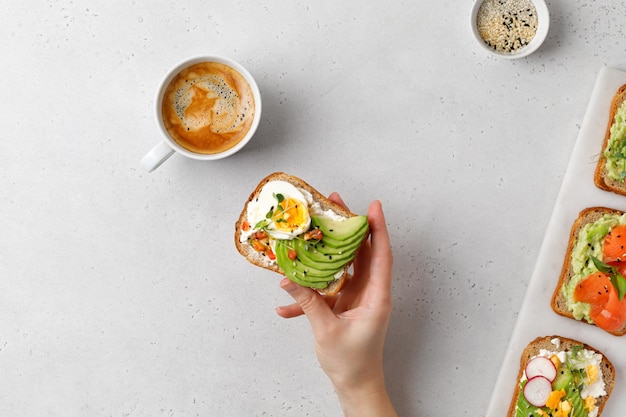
(290, 215)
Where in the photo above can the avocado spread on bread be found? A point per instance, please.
(589, 244)
(615, 151)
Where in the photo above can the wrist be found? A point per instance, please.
(367, 398)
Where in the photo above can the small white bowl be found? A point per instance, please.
(543, 25)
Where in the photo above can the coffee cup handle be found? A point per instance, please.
(157, 155)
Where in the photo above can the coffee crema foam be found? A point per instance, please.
(208, 108)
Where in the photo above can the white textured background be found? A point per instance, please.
(121, 292)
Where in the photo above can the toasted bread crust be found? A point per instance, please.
(260, 260)
(588, 215)
(545, 342)
(601, 178)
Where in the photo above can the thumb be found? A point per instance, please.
(313, 305)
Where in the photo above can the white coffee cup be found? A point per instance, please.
(168, 145)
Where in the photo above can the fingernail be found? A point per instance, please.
(287, 285)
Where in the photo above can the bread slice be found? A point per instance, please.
(566, 344)
(601, 177)
(588, 215)
(263, 261)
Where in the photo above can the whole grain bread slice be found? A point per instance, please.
(601, 177)
(588, 215)
(566, 344)
(263, 261)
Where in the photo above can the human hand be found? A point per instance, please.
(350, 328)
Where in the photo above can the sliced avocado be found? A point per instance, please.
(325, 261)
(298, 280)
(331, 250)
(329, 240)
(298, 272)
(563, 377)
(317, 263)
(325, 267)
(341, 233)
(340, 230)
(572, 393)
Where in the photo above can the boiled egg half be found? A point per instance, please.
(281, 210)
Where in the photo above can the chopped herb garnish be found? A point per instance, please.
(618, 281)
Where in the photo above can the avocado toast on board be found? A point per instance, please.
(561, 377)
(610, 174)
(591, 287)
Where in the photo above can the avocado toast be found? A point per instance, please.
(561, 377)
(610, 174)
(591, 286)
(288, 227)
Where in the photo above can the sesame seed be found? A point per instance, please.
(507, 25)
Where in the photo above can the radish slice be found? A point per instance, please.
(541, 366)
(537, 390)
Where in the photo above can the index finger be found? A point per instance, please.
(381, 265)
(336, 198)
